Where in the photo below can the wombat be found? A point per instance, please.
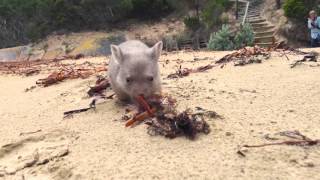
(134, 70)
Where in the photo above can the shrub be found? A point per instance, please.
(224, 18)
(295, 9)
(192, 22)
(245, 37)
(170, 43)
(298, 9)
(148, 9)
(221, 40)
(212, 11)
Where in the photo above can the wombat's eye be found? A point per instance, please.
(129, 80)
(150, 78)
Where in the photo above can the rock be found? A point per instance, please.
(97, 46)
(25, 53)
(53, 53)
(36, 55)
(11, 54)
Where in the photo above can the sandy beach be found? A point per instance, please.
(256, 101)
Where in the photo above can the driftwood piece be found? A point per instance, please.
(246, 55)
(140, 117)
(68, 73)
(91, 106)
(141, 100)
(182, 72)
(292, 143)
(31, 67)
(301, 140)
(100, 86)
(312, 57)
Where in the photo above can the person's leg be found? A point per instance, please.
(313, 42)
(317, 42)
(278, 3)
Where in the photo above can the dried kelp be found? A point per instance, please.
(101, 85)
(311, 57)
(166, 121)
(182, 72)
(69, 73)
(246, 55)
(174, 125)
(300, 140)
(31, 67)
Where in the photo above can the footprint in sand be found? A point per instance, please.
(36, 155)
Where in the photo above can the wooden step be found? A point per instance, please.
(264, 39)
(256, 20)
(262, 29)
(266, 45)
(258, 25)
(254, 15)
(264, 33)
(254, 11)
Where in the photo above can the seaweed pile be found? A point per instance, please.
(162, 118)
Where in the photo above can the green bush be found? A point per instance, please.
(295, 9)
(192, 22)
(212, 11)
(245, 37)
(221, 40)
(224, 18)
(148, 9)
(298, 9)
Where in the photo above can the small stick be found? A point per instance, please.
(140, 117)
(100, 86)
(144, 104)
(292, 143)
(284, 54)
(91, 106)
(25, 133)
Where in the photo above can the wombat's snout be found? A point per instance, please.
(139, 91)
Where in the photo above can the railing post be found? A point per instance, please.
(237, 9)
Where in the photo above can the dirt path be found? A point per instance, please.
(255, 101)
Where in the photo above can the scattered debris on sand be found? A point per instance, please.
(182, 72)
(69, 73)
(246, 55)
(311, 57)
(92, 105)
(27, 133)
(163, 119)
(301, 140)
(101, 84)
(29, 68)
(30, 88)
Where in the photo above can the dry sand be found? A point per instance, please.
(255, 101)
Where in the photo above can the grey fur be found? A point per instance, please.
(136, 62)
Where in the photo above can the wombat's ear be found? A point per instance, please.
(116, 53)
(156, 50)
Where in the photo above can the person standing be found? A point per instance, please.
(314, 26)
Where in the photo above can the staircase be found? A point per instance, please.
(263, 30)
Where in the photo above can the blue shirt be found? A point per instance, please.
(315, 31)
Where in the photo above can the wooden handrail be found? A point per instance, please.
(246, 11)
